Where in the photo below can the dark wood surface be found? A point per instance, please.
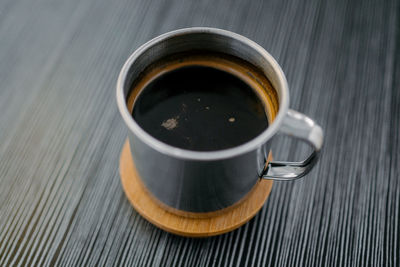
(61, 201)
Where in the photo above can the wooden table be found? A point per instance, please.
(61, 201)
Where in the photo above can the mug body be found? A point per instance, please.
(194, 181)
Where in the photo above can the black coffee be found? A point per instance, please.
(200, 108)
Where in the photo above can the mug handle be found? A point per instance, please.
(297, 125)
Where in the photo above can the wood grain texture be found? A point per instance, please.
(61, 202)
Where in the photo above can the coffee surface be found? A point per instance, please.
(200, 108)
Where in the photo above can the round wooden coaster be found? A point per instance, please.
(217, 223)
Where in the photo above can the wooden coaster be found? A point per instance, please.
(217, 223)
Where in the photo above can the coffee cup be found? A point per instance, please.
(193, 181)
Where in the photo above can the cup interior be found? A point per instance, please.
(209, 39)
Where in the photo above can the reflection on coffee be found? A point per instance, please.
(202, 105)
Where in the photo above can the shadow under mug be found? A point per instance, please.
(200, 182)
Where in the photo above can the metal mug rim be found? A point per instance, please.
(164, 148)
